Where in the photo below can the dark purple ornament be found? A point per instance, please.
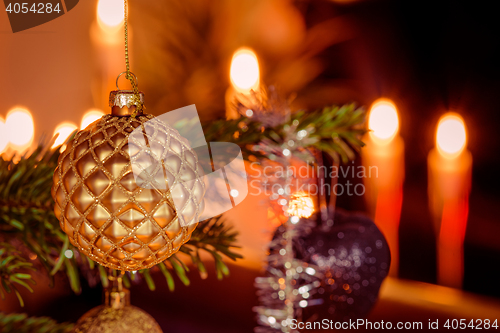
(353, 257)
(346, 258)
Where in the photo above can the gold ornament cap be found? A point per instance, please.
(116, 296)
(117, 299)
(124, 102)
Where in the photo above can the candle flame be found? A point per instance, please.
(20, 128)
(89, 117)
(383, 121)
(110, 13)
(4, 138)
(301, 205)
(244, 73)
(63, 131)
(451, 136)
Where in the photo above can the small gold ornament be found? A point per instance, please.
(103, 319)
(105, 213)
(116, 315)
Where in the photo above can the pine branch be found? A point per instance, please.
(27, 218)
(334, 130)
(26, 205)
(14, 272)
(214, 237)
(21, 323)
(26, 212)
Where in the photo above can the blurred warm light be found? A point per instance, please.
(63, 131)
(20, 128)
(244, 73)
(344, 2)
(89, 117)
(110, 13)
(383, 121)
(4, 138)
(451, 137)
(301, 205)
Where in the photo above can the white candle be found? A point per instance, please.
(107, 35)
(4, 138)
(383, 159)
(63, 131)
(111, 13)
(450, 170)
(245, 78)
(20, 131)
(89, 117)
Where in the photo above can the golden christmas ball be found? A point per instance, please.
(112, 205)
(105, 319)
(116, 315)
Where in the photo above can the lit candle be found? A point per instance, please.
(450, 171)
(20, 131)
(110, 13)
(89, 117)
(383, 161)
(63, 131)
(301, 205)
(107, 35)
(4, 138)
(245, 78)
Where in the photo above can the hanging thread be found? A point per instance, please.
(129, 75)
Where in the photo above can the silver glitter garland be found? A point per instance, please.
(279, 292)
(303, 281)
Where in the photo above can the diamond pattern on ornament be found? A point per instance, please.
(116, 220)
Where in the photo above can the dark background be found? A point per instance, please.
(430, 58)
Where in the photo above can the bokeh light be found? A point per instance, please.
(301, 205)
(110, 12)
(20, 128)
(451, 136)
(4, 137)
(244, 72)
(89, 117)
(63, 131)
(383, 121)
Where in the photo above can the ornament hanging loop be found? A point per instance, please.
(130, 76)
